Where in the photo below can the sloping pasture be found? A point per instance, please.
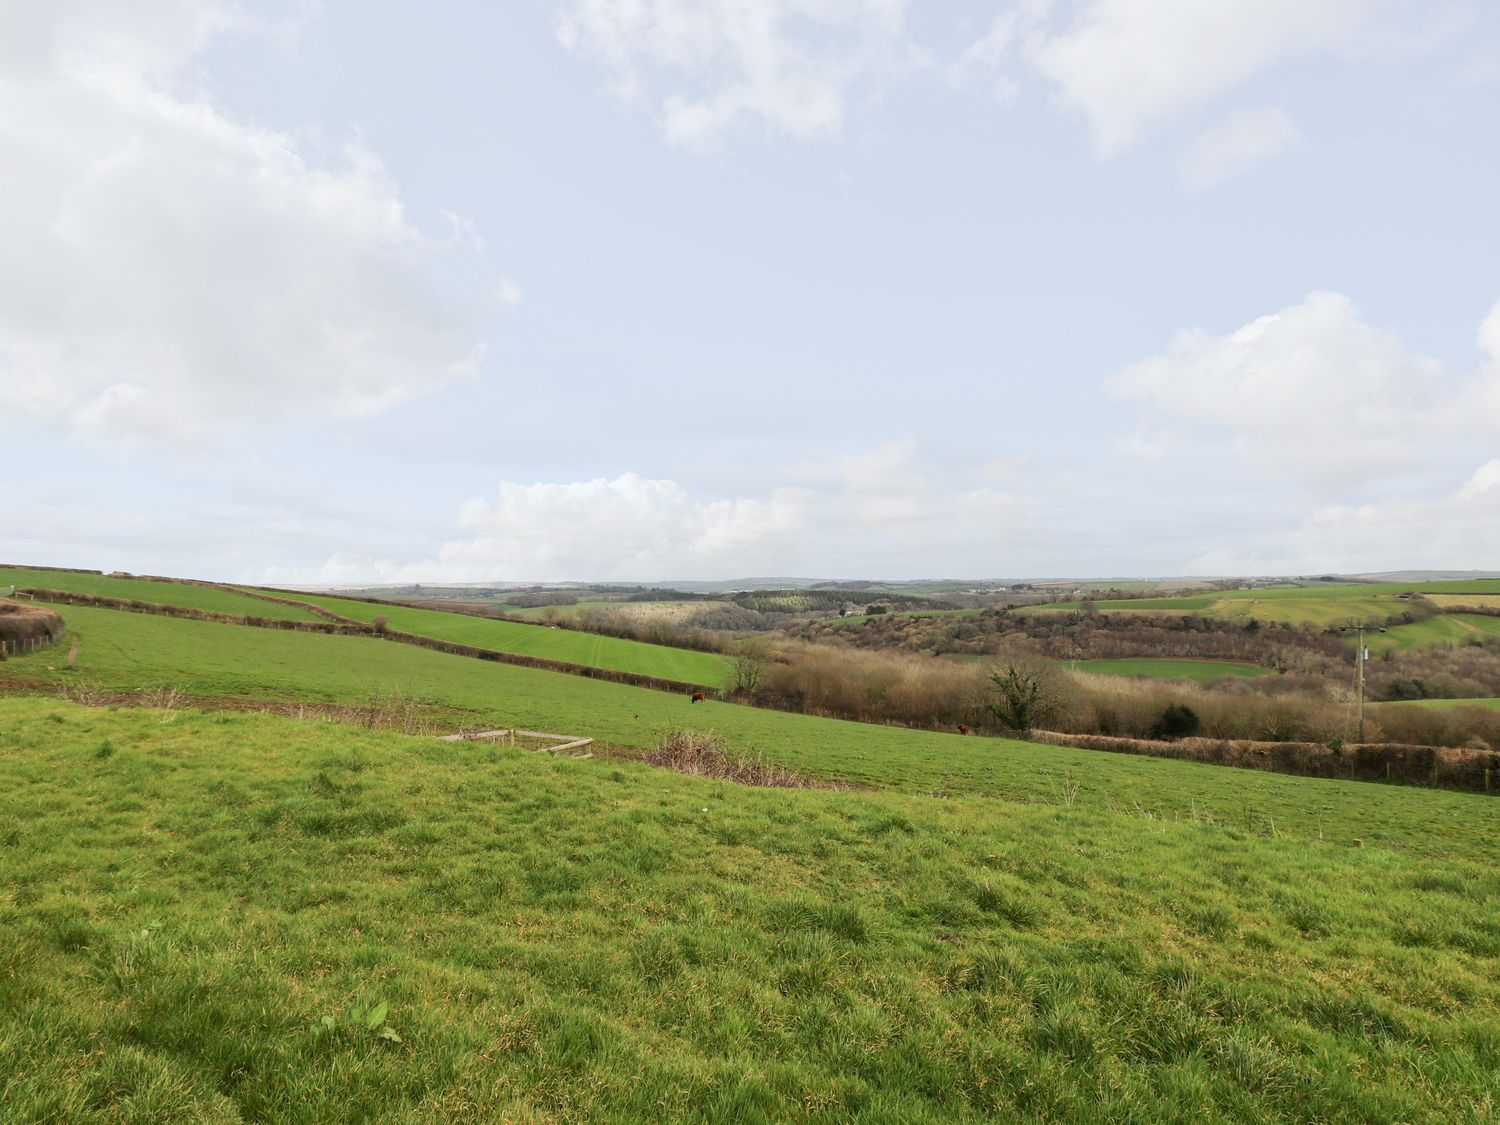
(568, 645)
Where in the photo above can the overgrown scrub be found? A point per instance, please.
(1452, 672)
(892, 687)
(24, 628)
(705, 754)
(875, 687)
(1089, 635)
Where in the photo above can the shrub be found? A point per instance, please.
(1177, 721)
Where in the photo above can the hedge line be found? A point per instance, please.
(1437, 766)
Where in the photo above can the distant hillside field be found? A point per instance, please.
(538, 640)
(1446, 629)
(1201, 671)
(1320, 606)
(1465, 601)
(1445, 704)
(192, 596)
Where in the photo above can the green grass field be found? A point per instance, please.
(538, 640)
(1446, 629)
(160, 593)
(1201, 671)
(1185, 603)
(1443, 704)
(137, 653)
(194, 903)
(233, 917)
(1320, 606)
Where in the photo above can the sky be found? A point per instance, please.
(342, 293)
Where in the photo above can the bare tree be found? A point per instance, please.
(748, 660)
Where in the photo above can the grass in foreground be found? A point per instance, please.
(193, 903)
(1201, 671)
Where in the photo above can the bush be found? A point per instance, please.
(1177, 721)
(379, 623)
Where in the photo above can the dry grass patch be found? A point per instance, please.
(1451, 602)
(704, 754)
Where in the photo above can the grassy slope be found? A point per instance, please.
(1488, 704)
(131, 651)
(1459, 602)
(161, 593)
(1447, 629)
(185, 897)
(536, 640)
(1322, 606)
(1200, 670)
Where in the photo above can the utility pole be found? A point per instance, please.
(1361, 681)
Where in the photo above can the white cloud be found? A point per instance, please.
(873, 511)
(1224, 561)
(1237, 145)
(985, 62)
(1458, 532)
(626, 526)
(1489, 335)
(1315, 393)
(1129, 66)
(792, 65)
(169, 269)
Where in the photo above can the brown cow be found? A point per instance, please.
(698, 697)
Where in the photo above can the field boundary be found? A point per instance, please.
(1440, 767)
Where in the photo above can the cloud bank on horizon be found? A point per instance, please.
(813, 286)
